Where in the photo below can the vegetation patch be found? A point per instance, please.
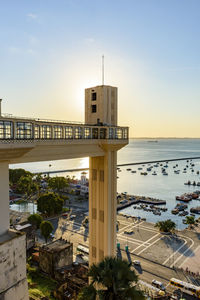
(39, 284)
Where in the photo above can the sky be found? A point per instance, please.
(51, 51)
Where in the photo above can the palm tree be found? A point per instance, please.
(114, 279)
(190, 220)
(166, 226)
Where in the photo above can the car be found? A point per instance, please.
(52, 236)
(158, 284)
(128, 231)
(136, 263)
(65, 214)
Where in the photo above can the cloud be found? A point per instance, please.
(32, 16)
(14, 50)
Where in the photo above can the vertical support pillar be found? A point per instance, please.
(4, 197)
(102, 206)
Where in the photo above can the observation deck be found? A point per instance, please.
(29, 140)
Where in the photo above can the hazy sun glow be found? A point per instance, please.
(51, 53)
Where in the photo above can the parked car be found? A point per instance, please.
(128, 231)
(158, 284)
(136, 263)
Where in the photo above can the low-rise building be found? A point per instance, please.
(55, 255)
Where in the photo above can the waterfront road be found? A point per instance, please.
(161, 256)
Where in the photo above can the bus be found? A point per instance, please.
(186, 287)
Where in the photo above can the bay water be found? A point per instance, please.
(158, 186)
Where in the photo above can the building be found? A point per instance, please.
(31, 140)
(55, 255)
(29, 230)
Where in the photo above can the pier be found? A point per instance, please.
(120, 165)
(138, 199)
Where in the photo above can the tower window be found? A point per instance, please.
(94, 96)
(94, 108)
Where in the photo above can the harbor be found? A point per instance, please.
(149, 159)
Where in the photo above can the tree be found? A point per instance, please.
(190, 220)
(46, 229)
(16, 174)
(27, 186)
(58, 183)
(166, 226)
(35, 220)
(50, 204)
(114, 278)
(37, 179)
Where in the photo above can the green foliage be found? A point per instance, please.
(35, 220)
(58, 183)
(27, 186)
(50, 204)
(36, 293)
(46, 229)
(166, 226)
(40, 285)
(64, 197)
(21, 201)
(114, 279)
(88, 292)
(65, 209)
(16, 174)
(190, 220)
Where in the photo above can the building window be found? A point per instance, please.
(103, 133)
(118, 133)
(36, 131)
(6, 130)
(78, 132)
(69, 132)
(23, 130)
(111, 133)
(94, 96)
(94, 108)
(58, 132)
(125, 133)
(87, 133)
(46, 132)
(95, 133)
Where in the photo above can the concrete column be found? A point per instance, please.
(0, 106)
(102, 206)
(4, 197)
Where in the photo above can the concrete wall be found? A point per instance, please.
(13, 283)
(102, 207)
(51, 260)
(4, 198)
(106, 105)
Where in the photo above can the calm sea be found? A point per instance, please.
(159, 186)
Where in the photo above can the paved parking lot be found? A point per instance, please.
(168, 250)
(179, 250)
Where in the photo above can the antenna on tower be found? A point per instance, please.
(102, 69)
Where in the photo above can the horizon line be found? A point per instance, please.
(159, 138)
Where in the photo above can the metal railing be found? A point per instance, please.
(18, 129)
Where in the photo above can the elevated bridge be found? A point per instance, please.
(31, 140)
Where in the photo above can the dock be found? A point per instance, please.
(138, 199)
